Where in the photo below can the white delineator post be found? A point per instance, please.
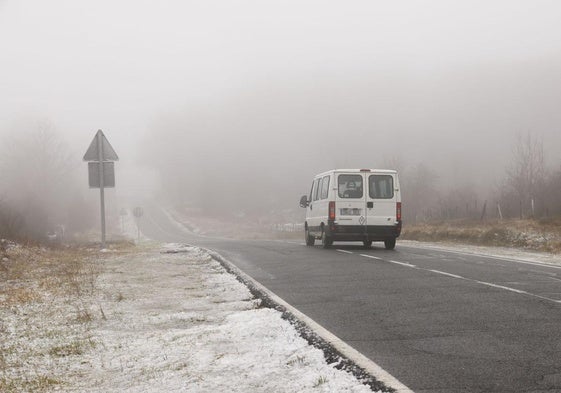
(101, 186)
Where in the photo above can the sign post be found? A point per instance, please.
(101, 172)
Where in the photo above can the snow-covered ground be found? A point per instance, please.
(149, 319)
(176, 321)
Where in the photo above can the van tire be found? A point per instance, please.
(326, 241)
(310, 240)
(367, 243)
(390, 244)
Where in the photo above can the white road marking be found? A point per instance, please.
(451, 275)
(382, 259)
(490, 284)
(518, 291)
(403, 263)
(447, 274)
(344, 251)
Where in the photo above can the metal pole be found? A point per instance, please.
(101, 190)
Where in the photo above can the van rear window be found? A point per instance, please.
(380, 186)
(325, 188)
(350, 186)
(316, 189)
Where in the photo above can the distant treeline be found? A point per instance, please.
(41, 196)
(258, 175)
(528, 189)
(42, 190)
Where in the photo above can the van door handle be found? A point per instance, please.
(370, 205)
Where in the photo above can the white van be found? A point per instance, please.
(353, 205)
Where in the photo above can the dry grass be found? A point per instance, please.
(47, 307)
(17, 296)
(536, 235)
(38, 383)
(31, 273)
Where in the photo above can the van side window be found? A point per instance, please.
(350, 186)
(380, 186)
(325, 188)
(318, 190)
(315, 191)
(311, 191)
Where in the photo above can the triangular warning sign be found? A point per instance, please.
(107, 152)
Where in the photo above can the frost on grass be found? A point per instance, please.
(176, 321)
(45, 311)
(170, 320)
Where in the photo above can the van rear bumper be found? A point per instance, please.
(362, 232)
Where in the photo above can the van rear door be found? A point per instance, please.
(381, 199)
(351, 199)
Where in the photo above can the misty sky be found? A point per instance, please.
(443, 82)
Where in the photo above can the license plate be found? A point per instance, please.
(350, 212)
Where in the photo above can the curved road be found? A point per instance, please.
(438, 321)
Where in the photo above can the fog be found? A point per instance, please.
(239, 103)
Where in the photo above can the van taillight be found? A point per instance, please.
(398, 211)
(332, 210)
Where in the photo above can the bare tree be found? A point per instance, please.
(11, 222)
(419, 193)
(35, 159)
(526, 174)
(460, 202)
(36, 169)
(552, 193)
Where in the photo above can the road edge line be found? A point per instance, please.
(366, 364)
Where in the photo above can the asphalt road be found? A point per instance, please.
(438, 321)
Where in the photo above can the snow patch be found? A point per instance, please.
(177, 321)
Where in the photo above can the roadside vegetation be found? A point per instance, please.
(535, 235)
(522, 210)
(146, 318)
(47, 307)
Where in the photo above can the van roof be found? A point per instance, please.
(389, 171)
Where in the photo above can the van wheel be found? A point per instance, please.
(390, 244)
(309, 239)
(367, 243)
(326, 241)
